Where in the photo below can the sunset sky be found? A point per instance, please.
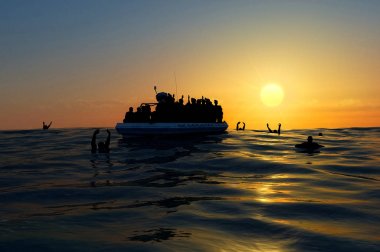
(82, 63)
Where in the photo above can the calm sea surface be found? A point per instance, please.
(240, 191)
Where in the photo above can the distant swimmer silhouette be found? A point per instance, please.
(45, 127)
(242, 128)
(309, 145)
(103, 147)
(275, 131)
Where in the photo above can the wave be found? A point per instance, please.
(240, 191)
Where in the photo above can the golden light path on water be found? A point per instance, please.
(288, 193)
(278, 190)
(241, 191)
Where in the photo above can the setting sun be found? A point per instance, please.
(272, 95)
(202, 125)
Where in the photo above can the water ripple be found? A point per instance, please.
(240, 191)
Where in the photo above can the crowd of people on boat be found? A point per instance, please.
(168, 109)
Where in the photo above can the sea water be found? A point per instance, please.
(239, 191)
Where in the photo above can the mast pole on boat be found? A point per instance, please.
(175, 80)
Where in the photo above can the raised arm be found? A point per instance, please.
(243, 125)
(107, 143)
(269, 128)
(237, 126)
(93, 141)
(279, 129)
(49, 124)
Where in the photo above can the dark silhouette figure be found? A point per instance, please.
(309, 145)
(238, 128)
(243, 126)
(103, 147)
(168, 109)
(320, 134)
(45, 127)
(129, 116)
(219, 112)
(275, 131)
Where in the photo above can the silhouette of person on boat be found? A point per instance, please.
(168, 109)
(275, 131)
(102, 147)
(46, 126)
(129, 115)
(309, 145)
(240, 128)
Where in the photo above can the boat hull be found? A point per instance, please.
(140, 129)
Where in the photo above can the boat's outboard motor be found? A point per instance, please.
(161, 97)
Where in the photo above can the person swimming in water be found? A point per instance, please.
(103, 147)
(238, 128)
(243, 128)
(45, 127)
(275, 131)
(309, 145)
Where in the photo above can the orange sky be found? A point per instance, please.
(83, 64)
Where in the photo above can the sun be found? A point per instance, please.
(272, 95)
